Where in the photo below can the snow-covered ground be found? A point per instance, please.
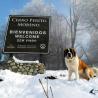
(16, 85)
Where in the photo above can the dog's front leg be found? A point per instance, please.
(77, 74)
(69, 74)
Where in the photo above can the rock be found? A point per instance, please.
(31, 70)
(25, 73)
(9, 61)
(20, 67)
(10, 68)
(30, 73)
(14, 67)
(12, 63)
(21, 64)
(27, 69)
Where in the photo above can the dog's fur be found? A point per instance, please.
(76, 65)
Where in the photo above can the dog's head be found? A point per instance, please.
(69, 53)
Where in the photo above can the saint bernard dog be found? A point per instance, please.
(76, 65)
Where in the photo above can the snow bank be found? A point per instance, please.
(16, 85)
(22, 61)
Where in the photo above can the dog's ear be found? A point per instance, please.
(65, 52)
(65, 49)
(74, 51)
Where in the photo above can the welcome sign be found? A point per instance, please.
(27, 34)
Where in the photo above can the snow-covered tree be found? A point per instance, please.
(72, 21)
(89, 19)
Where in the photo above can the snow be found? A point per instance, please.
(22, 61)
(16, 85)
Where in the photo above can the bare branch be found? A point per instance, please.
(51, 92)
(43, 88)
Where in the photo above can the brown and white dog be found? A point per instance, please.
(77, 66)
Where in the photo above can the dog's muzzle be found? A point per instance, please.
(69, 55)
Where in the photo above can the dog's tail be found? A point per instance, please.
(95, 69)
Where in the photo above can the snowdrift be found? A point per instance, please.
(15, 85)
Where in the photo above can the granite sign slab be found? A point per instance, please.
(27, 34)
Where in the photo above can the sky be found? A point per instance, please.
(7, 6)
